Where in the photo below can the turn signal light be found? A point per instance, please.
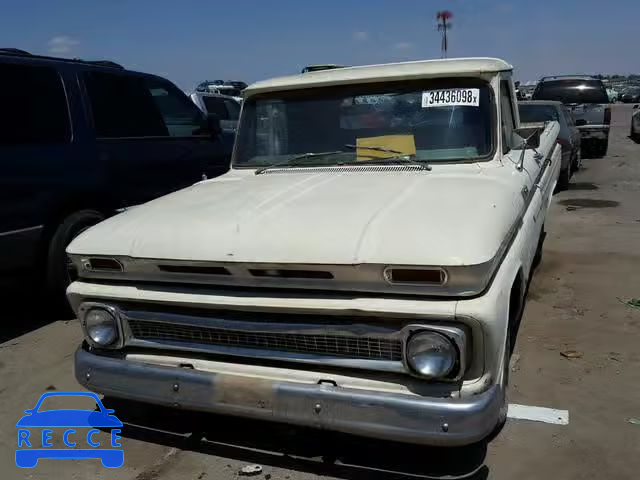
(103, 265)
(426, 276)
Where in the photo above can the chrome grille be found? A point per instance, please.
(356, 347)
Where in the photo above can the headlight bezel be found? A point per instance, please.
(459, 338)
(84, 310)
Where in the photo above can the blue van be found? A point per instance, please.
(82, 140)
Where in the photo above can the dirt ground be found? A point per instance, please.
(590, 267)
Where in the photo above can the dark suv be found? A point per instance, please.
(80, 141)
(588, 101)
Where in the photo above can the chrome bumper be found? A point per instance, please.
(398, 417)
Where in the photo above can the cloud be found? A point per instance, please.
(62, 44)
(360, 36)
(403, 45)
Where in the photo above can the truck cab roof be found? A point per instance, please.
(454, 67)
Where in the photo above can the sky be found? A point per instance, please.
(188, 42)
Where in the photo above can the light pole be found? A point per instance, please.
(443, 17)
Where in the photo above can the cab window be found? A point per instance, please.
(507, 120)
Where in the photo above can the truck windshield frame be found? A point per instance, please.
(285, 124)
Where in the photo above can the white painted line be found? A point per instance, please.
(538, 414)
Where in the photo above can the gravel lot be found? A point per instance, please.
(591, 265)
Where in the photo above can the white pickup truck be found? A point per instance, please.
(360, 268)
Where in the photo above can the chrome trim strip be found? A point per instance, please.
(463, 281)
(21, 230)
(528, 198)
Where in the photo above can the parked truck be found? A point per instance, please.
(361, 268)
(588, 101)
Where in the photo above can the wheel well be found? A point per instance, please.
(515, 300)
(516, 304)
(57, 215)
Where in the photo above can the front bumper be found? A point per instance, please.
(389, 416)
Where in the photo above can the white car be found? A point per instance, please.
(361, 267)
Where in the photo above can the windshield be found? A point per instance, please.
(538, 113)
(572, 91)
(424, 121)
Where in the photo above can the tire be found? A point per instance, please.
(537, 258)
(58, 274)
(564, 178)
(601, 149)
(635, 136)
(576, 164)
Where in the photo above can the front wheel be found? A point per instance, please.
(60, 272)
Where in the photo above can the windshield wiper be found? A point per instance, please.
(377, 148)
(287, 161)
(401, 157)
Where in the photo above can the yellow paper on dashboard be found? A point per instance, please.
(405, 144)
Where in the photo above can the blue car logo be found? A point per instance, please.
(34, 445)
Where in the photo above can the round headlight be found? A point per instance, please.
(431, 355)
(101, 326)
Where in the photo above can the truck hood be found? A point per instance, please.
(452, 215)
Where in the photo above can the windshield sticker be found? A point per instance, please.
(385, 146)
(451, 97)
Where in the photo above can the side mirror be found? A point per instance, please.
(213, 125)
(580, 122)
(527, 136)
